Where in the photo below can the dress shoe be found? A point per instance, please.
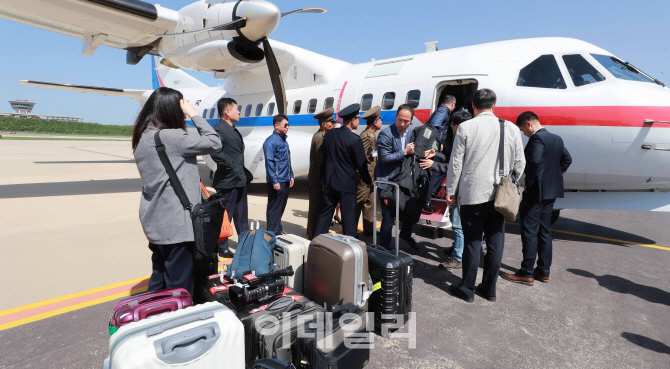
(458, 293)
(516, 279)
(411, 243)
(226, 254)
(540, 278)
(451, 263)
(481, 291)
(428, 209)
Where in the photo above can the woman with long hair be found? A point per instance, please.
(166, 223)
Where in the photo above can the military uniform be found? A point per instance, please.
(342, 155)
(364, 200)
(314, 176)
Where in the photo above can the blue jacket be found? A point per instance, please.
(440, 121)
(277, 159)
(390, 152)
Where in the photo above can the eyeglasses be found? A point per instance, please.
(286, 125)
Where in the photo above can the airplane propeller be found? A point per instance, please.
(262, 19)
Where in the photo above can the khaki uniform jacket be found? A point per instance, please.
(314, 175)
(370, 144)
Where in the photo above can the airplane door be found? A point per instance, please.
(462, 89)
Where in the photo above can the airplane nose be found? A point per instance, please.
(262, 18)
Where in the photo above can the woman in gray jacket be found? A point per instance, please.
(166, 223)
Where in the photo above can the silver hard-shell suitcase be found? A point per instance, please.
(291, 250)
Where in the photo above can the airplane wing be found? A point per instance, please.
(133, 94)
(122, 24)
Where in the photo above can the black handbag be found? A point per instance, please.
(207, 216)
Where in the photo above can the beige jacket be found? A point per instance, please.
(473, 169)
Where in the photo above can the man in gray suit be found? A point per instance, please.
(231, 176)
(474, 173)
(393, 145)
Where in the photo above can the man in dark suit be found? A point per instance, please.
(231, 176)
(546, 161)
(342, 155)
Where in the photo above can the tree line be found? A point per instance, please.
(11, 124)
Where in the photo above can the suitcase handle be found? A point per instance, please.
(254, 225)
(186, 346)
(158, 309)
(292, 306)
(178, 323)
(397, 213)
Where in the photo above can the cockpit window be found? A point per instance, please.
(623, 70)
(581, 72)
(543, 72)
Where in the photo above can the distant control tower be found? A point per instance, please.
(22, 106)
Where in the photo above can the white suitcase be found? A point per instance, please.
(292, 250)
(202, 336)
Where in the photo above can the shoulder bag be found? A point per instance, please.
(207, 216)
(507, 195)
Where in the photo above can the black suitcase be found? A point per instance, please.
(263, 339)
(391, 303)
(271, 364)
(344, 344)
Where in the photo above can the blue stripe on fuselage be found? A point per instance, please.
(304, 120)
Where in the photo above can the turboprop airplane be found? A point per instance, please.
(613, 117)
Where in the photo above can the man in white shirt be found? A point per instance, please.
(474, 174)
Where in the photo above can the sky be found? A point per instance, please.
(352, 30)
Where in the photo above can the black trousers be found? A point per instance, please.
(535, 236)
(276, 206)
(436, 179)
(238, 211)
(172, 267)
(347, 203)
(478, 219)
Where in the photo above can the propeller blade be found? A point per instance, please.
(239, 23)
(275, 77)
(315, 9)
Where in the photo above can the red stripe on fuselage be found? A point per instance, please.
(603, 116)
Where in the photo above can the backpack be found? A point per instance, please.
(254, 252)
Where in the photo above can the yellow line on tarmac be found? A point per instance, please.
(68, 309)
(70, 296)
(606, 239)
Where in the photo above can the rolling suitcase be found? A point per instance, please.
(214, 289)
(337, 269)
(203, 336)
(342, 343)
(271, 328)
(143, 305)
(291, 250)
(393, 272)
(271, 364)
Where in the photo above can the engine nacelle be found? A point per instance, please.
(215, 55)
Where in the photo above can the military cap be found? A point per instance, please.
(325, 115)
(350, 111)
(371, 115)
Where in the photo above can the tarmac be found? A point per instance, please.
(71, 245)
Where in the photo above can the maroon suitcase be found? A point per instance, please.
(141, 306)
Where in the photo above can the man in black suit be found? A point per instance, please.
(231, 176)
(546, 161)
(342, 154)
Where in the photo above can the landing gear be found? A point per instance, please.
(555, 214)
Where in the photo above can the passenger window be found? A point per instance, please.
(328, 103)
(581, 72)
(366, 102)
(297, 106)
(311, 107)
(543, 72)
(247, 111)
(388, 101)
(259, 110)
(204, 114)
(271, 109)
(211, 113)
(413, 98)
